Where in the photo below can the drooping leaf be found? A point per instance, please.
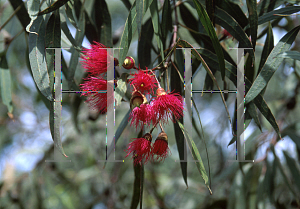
(232, 26)
(37, 57)
(184, 44)
(290, 54)
(291, 163)
(271, 65)
(234, 11)
(33, 7)
(276, 14)
(139, 15)
(177, 88)
(231, 70)
(5, 83)
(268, 47)
(145, 44)
(22, 13)
(156, 27)
(137, 186)
(129, 30)
(56, 5)
(212, 34)
(166, 23)
(253, 20)
(121, 88)
(75, 54)
(210, 8)
(127, 4)
(70, 12)
(196, 156)
(103, 23)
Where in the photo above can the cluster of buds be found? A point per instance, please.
(161, 107)
(143, 151)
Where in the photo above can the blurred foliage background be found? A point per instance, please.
(272, 181)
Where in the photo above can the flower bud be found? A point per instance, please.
(137, 99)
(160, 92)
(128, 63)
(162, 136)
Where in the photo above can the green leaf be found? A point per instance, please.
(70, 12)
(5, 83)
(290, 54)
(212, 34)
(145, 44)
(196, 156)
(285, 177)
(103, 23)
(253, 20)
(210, 8)
(249, 69)
(268, 46)
(121, 88)
(127, 4)
(230, 72)
(139, 15)
(276, 14)
(271, 65)
(138, 186)
(177, 87)
(184, 44)
(33, 7)
(251, 111)
(119, 131)
(156, 27)
(75, 54)
(52, 40)
(37, 57)
(166, 23)
(129, 30)
(56, 5)
(234, 11)
(232, 26)
(22, 13)
(291, 163)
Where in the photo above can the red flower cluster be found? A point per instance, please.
(95, 85)
(143, 151)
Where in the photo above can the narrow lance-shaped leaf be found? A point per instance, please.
(37, 57)
(166, 23)
(268, 47)
(176, 85)
(75, 54)
(293, 168)
(290, 54)
(22, 13)
(129, 30)
(185, 44)
(156, 27)
(233, 27)
(210, 8)
(145, 44)
(271, 65)
(56, 5)
(70, 12)
(196, 156)
(139, 15)
(276, 14)
(33, 7)
(230, 73)
(212, 33)
(253, 18)
(5, 83)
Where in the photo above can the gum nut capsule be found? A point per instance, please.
(128, 63)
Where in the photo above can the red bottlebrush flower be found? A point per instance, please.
(140, 149)
(165, 105)
(96, 100)
(95, 59)
(141, 115)
(160, 147)
(143, 81)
